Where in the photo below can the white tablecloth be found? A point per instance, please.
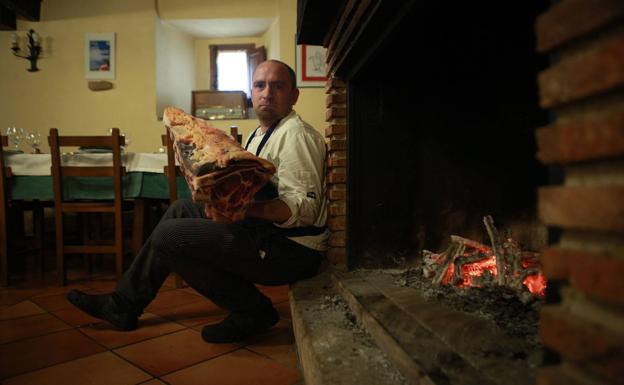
(39, 164)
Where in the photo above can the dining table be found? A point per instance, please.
(144, 180)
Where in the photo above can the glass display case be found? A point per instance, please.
(213, 105)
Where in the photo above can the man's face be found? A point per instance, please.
(272, 94)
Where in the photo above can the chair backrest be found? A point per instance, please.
(8, 207)
(234, 133)
(116, 170)
(4, 172)
(170, 170)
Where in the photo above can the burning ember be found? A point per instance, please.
(467, 263)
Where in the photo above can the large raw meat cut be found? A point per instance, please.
(218, 170)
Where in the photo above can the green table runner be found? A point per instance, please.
(135, 185)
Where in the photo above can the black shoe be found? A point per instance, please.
(104, 307)
(240, 325)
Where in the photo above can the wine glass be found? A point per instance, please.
(125, 135)
(34, 140)
(10, 131)
(127, 138)
(18, 137)
(15, 135)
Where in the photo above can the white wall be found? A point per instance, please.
(175, 68)
(272, 40)
(58, 95)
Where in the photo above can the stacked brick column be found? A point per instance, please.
(336, 134)
(583, 324)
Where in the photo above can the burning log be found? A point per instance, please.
(446, 259)
(469, 242)
(469, 263)
(496, 248)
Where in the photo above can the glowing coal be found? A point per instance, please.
(467, 263)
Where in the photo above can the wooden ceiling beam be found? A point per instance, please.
(26, 9)
(7, 19)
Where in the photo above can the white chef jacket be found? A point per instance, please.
(298, 152)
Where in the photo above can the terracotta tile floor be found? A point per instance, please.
(44, 340)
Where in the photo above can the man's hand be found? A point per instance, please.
(273, 210)
(216, 217)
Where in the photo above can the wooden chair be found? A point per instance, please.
(4, 251)
(63, 205)
(5, 216)
(171, 170)
(234, 132)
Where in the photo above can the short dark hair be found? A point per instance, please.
(291, 72)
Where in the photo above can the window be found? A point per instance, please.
(232, 66)
(233, 71)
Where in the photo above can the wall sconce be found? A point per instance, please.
(34, 48)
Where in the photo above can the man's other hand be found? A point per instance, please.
(216, 217)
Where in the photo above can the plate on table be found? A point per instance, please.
(94, 150)
(11, 152)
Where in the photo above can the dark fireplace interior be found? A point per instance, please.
(441, 123)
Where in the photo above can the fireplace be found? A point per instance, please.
(441, 132)
(441, 109)
(440, 115)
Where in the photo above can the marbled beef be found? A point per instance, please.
(218, 170)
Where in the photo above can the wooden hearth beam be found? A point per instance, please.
(442, 343)
(315, 19)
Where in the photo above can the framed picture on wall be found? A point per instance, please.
(100, 55)
(311, 67)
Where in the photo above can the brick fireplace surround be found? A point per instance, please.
(582, 324)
